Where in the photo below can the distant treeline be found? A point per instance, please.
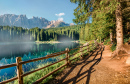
(14, 33)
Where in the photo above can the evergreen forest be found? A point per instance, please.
(9, 34)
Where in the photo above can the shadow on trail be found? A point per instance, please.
(84, 63)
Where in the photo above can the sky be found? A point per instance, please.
(49, 9)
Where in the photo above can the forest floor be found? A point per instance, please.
(96, 68)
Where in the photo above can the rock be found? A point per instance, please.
(86, 44)
(128, 61)
(57, 23)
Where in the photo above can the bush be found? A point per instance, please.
(107, 42)
(126, 40)
(113, 47)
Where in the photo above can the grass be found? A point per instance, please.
(47, 42)
(82, 41)
(113, 47)
(37, 75)
(85, 52)
(107, 42)
(126, 40)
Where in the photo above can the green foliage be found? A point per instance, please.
(83, 12)
(126, 40)
(35, 34)
(85, 52)
(113, 47)
(103, 17)
(102, 14)
(83, 41)
(107, 42)
(86, 33)
(37, 75)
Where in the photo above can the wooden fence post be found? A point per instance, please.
(81, 48)
(67, 56)
(88, 48)
(95, 43)
(19, 70)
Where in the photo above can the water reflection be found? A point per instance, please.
(9, 52)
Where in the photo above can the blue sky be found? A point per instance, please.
(49, 9)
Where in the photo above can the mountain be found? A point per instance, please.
(23, 21)
(57, 23)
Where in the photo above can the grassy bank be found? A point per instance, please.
(82, 41)
(47, 42)
(85, 52)
(113, 45)
(37, 75)
(77, 41)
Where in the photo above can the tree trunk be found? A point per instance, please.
(111, 35)
(119, 28)
(128, 28)
(119, 32)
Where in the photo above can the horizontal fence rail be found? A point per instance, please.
(41, 68)
(8, 65)
(19, 63)
(41, 58)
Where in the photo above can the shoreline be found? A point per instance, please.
(47, 42)
(55, 41)
(76, 41)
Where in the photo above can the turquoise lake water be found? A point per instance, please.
(27, 50)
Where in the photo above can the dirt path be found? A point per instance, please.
(97, 68)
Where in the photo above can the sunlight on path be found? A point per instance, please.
(97, 68)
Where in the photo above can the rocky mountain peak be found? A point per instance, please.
(23, 21)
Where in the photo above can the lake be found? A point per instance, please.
(27, 50)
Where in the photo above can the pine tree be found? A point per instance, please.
(102, 12)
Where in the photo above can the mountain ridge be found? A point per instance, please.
(23, 21)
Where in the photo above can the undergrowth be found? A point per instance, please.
(29, 79)
(126, 40)
(37, 75)
(85, 52)
(107, 42)
(82, 41)
(113, 47)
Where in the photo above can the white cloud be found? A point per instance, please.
(60, 14)
(60, 19)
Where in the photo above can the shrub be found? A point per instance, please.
(113, 47)
(126, 40)
(106, 42)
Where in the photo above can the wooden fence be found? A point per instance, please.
(19, 63)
